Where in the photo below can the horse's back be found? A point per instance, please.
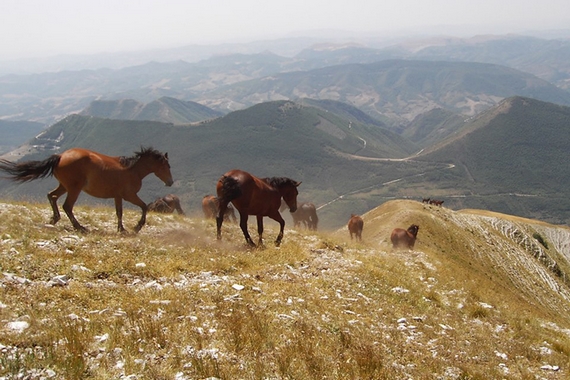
(355, 224)
(248, 193)
(209, 206)
(397, 235)
(401, 237)
(82, 161)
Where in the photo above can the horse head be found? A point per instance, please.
(290, 193)
(287, 189)
(413, 229)
(162, 169)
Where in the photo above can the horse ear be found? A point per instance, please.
(297, 184)
(166, 155)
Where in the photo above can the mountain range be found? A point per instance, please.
(507, 159)
(475, 73)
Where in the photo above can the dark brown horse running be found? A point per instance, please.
(355, 226)
(404, 238)
(251, 195)
(306, 215)
(166, 205)
(210, 207)
(98, 175)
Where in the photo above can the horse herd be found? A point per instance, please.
(120, 178)
(432, 201)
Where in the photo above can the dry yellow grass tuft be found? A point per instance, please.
(478, 298)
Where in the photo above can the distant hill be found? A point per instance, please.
(519, 147)
(165, 109)
(16, 133)
(547, 59)
(509, 159)
(396, 89)
(342, 109)
(432, 126)
(269, 139)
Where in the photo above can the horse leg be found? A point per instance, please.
(243, 224)
(260, 229)
(179, 209)
(119, 212)
(53, 196)
(134, 199)
(277, 217)
(222, 207)
(68, 208)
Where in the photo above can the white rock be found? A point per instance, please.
(238, 287)
(61, 280)
(17, 326)
(17, 279)
(50, 373)
(76, 267)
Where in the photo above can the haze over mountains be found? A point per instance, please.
(357, 125)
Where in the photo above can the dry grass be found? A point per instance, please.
(173, 303)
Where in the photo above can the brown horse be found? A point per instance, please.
(166, 205)
(355, 226)
(251, 195)
(210, 207)
(404, 238)
(98, 175)
(306, 215)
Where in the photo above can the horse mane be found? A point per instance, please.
(144, 152)
(279, 181)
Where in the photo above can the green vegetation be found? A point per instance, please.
(165, 109)
(507, 159)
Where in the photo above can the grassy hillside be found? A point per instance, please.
(165, 109)
(481, 296)
(518, 147)
(431, 127)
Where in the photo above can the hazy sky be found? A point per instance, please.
(32, 28)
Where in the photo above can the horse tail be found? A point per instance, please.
(230, 189)
(313, 216)
(30, 170)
